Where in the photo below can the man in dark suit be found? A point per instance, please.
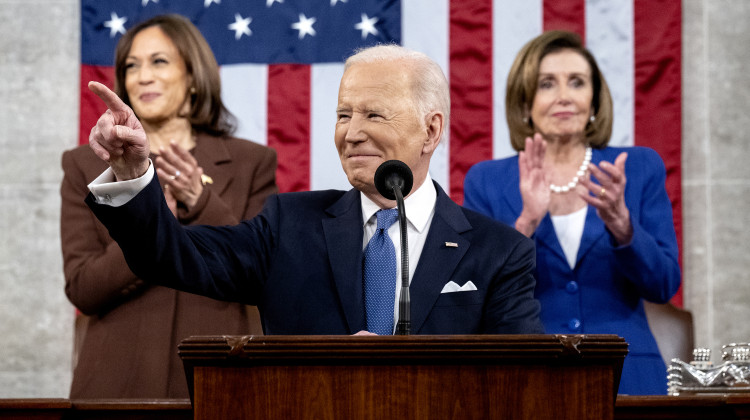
(301, 259)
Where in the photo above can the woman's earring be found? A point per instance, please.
(592, 118)
(192, 90)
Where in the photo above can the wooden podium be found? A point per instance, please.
(404, 377)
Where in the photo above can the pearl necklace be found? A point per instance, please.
(581, 172)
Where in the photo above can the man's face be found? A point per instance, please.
(378, 121)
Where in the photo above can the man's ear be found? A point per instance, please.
(435, 123)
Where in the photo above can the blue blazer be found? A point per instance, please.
(604, 292)
(300, 261)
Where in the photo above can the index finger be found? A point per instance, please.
(110, 99)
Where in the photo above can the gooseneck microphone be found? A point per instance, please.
(394, 180)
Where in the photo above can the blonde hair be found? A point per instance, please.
(523, 80)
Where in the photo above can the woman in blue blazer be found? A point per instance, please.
(600, 216)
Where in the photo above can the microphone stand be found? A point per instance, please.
(404, 302)
(393, 179)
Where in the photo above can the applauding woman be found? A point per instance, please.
(599, 215)
(166, 72)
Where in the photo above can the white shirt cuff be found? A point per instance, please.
(107, 190)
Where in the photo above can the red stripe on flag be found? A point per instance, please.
(289, 124)
(658, 96)
(91, 106)
(568, 15)
(471, 89)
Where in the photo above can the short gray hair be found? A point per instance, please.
(431, 91)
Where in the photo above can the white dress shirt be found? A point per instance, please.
(107, 190)
(420, 208)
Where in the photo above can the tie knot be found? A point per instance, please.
(386, 218)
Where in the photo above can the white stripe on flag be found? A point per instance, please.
(513, 25)
(424, 28)
(244, 90)
(325, 165)
(610, 37)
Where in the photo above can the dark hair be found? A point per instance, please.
(523, 81)
(207, 112)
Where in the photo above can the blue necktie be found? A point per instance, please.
(380, 275)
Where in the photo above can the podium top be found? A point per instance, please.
(413, 349)
(366, 377)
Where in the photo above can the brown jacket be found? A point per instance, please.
(130, 345)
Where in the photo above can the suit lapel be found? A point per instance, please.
(594, 228)
(212, 153)
(343, 236)
(545, 234)
(437, 261)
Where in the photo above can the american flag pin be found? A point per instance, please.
(451, 245)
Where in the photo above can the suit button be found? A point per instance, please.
(571, 287)
(574, 325)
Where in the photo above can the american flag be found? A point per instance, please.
(281, 62)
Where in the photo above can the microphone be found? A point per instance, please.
(394, 180)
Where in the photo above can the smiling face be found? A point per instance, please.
(562, 103)
(155, 77)
(377, 120)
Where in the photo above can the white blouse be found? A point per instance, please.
(569, 230)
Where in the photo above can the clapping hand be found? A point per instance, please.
(608, 196)
(534, 185)
(179, 173)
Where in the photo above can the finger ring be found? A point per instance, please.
(172, 177)
(602, 192)
(176, 173)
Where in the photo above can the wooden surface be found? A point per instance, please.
(114, 409)
(409, 377)
(713, 407)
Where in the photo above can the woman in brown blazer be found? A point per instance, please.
(166, 72)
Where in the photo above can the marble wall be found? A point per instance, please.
(39, 58)
(39, 55)
(716, 174)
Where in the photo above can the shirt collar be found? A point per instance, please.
(419, 205)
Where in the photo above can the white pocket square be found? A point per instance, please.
(452, 286)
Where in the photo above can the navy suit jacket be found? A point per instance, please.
(300, 261)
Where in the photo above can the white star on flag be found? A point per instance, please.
(304, 26)
(115, 24)
(207, 3)
(145, 2)
(367, 26)
(269, 3)
(241, 26)
(333, 2)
